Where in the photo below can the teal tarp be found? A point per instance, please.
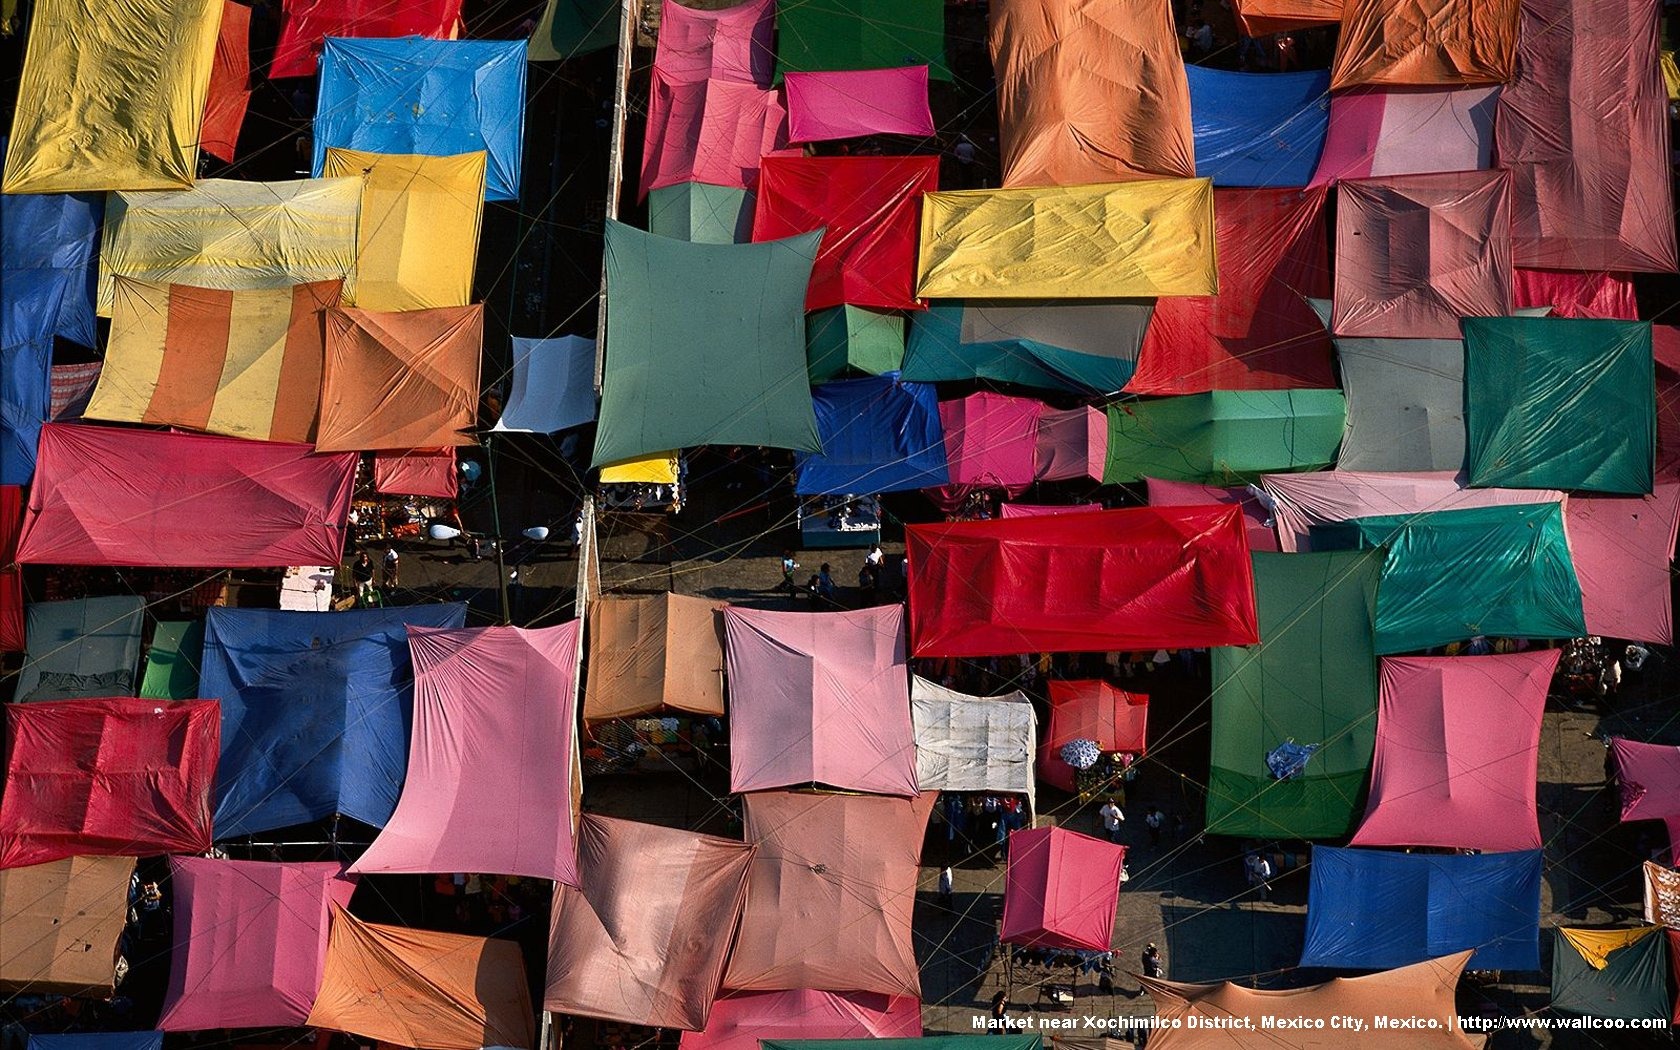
(89, 647)
(1084, 347)
(1223, 436)
(173, 661)
(1632, 985)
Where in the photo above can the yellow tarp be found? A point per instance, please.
(419, 228)
(1671, 75)
(112, 95)
(1069, 242)
(657, 469)
(1595, 946)
(234, 236)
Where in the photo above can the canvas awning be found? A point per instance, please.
(991, 440)
(699, 211)
(173, 660)
(230, 84)
(1304, 500)
(1410, 131)
(1080, 346)
(860, 34)
(1071, 445)
(49, 241)
(740, 1019)
(417, 472)
(878, 435)
(1256, 129)
(86, 647)
(712, 131)
(973, 743)
(1573, 294)
(851, 340)
(60, 923)
(1257, 18)
(1113, 719)
(400, 380)
(654, 652)
(1648, 776)
(553, 386)
(1061, 890)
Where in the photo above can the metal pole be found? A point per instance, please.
(627, 12)
(496, 521)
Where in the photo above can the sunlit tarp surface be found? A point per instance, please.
(400, 380)
(1224, 435)
(1629, 980)
(1061, 890)
(1621, 548)
(1305, 500)
(59, 925)
(991, 440)
(1088, 346)
(552, 387)
(1648, 776)
(648, 652)
(973, 743)
(845, 104)
(860, 34)
(85, 647)
(1258, 130)
(417, 472)
(698, 211)
(1256, 18)
(850, 340)
(1113, 719)
(878, 435)
(230, 84)
(713, 131)
(1423, 42)
(27, 316)
(1377, 132)
(307, 24)
(740, 1019)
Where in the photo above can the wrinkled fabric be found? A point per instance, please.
(878, 435)
(1083, 347)
(849, 340)
(26, 348)
(1324, 497)
(307, 23)
(740, 1019)
(1257, 517)
(1611, 973)
(1258, 18)
(1648, 777)
(12, 638)
(973, 743)
(818, 35)
(991, 441)
(400, 380)
(733, 43)
(85, 647)
(1061, 890)
(657, 469)
(1377, 132)
(417, 472)
(1423, 42)
(1621, 548)
(1254, 129)
(48, 241)
(1569, 294)
(1071, 445)
(1595, 947)
(652, 652)
(1665, 349)
(553, 385)
(711, 131)
(230, 84)
(173, 660)
(1223, 436)
(60, 923)
(1113, 719)
(846, 104)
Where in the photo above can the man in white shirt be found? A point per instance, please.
(1112, 817)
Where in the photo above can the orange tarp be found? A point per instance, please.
(59, 924)
(649, 652)
(1420, 42)
(230, 84)
(406, 379)
(1263, 17)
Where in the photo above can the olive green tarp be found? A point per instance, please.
(823, 35)
(1633, 980)
(573, 27)
(1223, 436)
(172, 664)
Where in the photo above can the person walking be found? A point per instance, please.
(1112, 817)
(1152, 966)
(361, 572)
(1000, 1013)
(947, 886)
(388, 574)
(789, 565)
(1154, 820)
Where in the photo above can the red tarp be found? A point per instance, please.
(308, 23)
(11, 577)
(98, 499)
(1257, 333)
(1621, 548)
(417, 472)
(230, 84)
(1602, 295)
(1062, 890)
(106, 778)
(1090, 710)
(740, 1019)
(1141, 578)
(1256, 518)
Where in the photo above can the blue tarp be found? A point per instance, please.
(878, 435)
(1258, 129)
(1375, 909)
(46, 239)
(437, 98)
(316, 709)
(27, 315)
(98, 1041)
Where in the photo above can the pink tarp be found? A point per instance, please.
(1039, 510)
(713, 131)
(1649, 778)
(417, 472)
(732, 44)
(1304, 500)
(850, 103)
(1072, 445)
(1113, 719)
(1621, 549)
(740, 1019)
(1602, 295)
(1062, 890)
(1380, 131)
(494, 727)
(1414, 253)
(1256, 518)
(1458, 751)
(250, 941)
(820, 698)
(991, 441)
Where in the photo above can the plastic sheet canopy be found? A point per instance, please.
(494, 732)
(705, 345)
(740, 1019)
(47, 246)
(1151, 238)
(97, 110)
(1089, 93)
(991, 440)
(1311, 679)
(815, 35)
(1083, 347)
(654, 652)
(1256, 129)
(417, 472)
(573, 27)
(973, 743)
(26, 347)
(316, 711)
(1422, 42)
(645, 939)
(1630, 979)
(59, 925)
(436, 98)
(1302, 501)
(698, 211)
(107, 777)
(830, 893)
(553, 385)
(844, 104)
(12, 638)
(1648, 777)
(85, 647)
(1061, 890)
(713, 131)
(1569, 294)
(820, 698)
(1621, 549)
(250, 941)
(1369, 909)
(230, 84)
(1071, 445)
(1223, 436)
(1142, 578)
(307, 24)
(1257, 517)
(730, 43)
(878, 435)
(1113, 719)
(400, 380)
(1377, 132)
(241, 504)
(1258, 18)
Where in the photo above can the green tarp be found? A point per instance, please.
(1079, 346)
(1223, 436)
(574, 27)
(700, 212)
(846, 340)
(1560, 403)
(816, 35)
(705, 345)
(172, 665)
(1312, 679)
(1632, 985)
(89, 647)
(1454, 574)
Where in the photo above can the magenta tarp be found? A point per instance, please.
(1603, 295)
(1649, 778)
(1621, 549)
(250, 941)
(1458, 751)
(1381, 131)
(1040, 510)
(820, 698)
(1256, 518)
(732, 44)
(846, 104)
(1062, 890)
(1304, 500)
(1072, 445)
(991, 441)
(740, 1019)
(488, 787)
(1093, 710)
(711, 131)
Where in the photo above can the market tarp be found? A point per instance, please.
(1458, 752)
(991, 441)
(705, 345)
(698, 211)
(231, 235)
(435, 98)
(1376, 132)
(315, 708)
(658, 469)
(819, 698)
(1061, 890)
(60, 923)
(85, 647)
(740, 1019)
(106, 777)
(1597, 197)
(1312, 679)
(1113, 719)
(817, 35)
(1662, 894)
(654, 652)
(1072, 445)
(1621, 548)
(112, 98)
(1665, 349)
(866, 210)
(973, 743)
(494, 732)
(1040, 510)
(1223, 436)
(844, 104)
(417, 988)
(307, 24)
(250, 941)
(1257, 516)
(417, 472)
(239, 504)
(244, 363)
(1372, 909)
(1611, 973)
(1570, 294)
(1091, 92)
(48, 240)
(97, 1041)
(713, 131)
(1415, 43)
(574, 27)
(1648, 776)
(553, 386)
(400, 380)
(878, 435)
(12, 636)
(72, 385)
(1257, 18)
(172, 661)
(1076, 346)
(230, 84)
(730, 43)
(1257, 333)
(830, 893)
(1150, 238)
(645, 939)
(1414, 253)
(1140, 578)
(1301, 501)
(1531, 385)
(27, 316)
(1256, 129)
(417, 238)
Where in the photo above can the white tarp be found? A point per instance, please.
(553, 385)
(973, 743)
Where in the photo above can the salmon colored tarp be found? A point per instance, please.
(400, 380)
(1258, 18)
(830, 893)
(12, 639)
(711, 131)
(1140, 578)
(1113, 719)
(991, 441)
(1257, 519)
(417, 988)
(1090, 92)
(653, 652)
(1570, 294)
(1414, 253)
(417, 472)
(107, 777)
(740, 1019)
(1043, 510)
(1621, 548)
(1257, 333)
(850, 103)
(1584, 129)
(734, 43)
(1421, 42)
(239, 504)
(645, 938)
(1071, 445)
(1301, 501)
(60, 923)
(494, 733)
(306, 24)
(1381, 131)
(820, 698)
(230, 84)
(1062, 890)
